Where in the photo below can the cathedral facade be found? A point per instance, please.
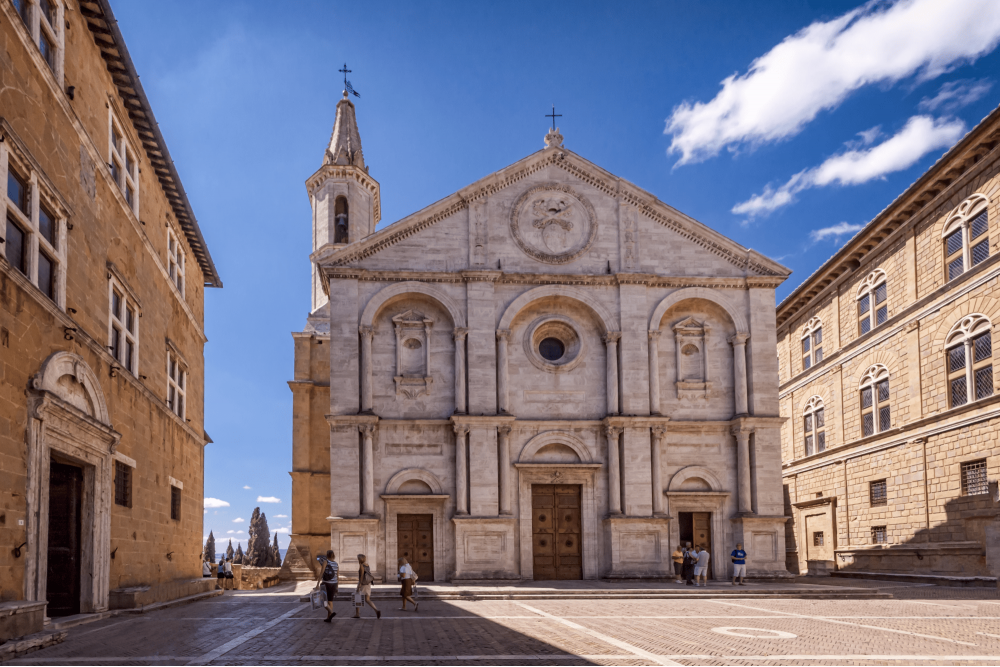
(549, 374)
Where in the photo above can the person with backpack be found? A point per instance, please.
(407, 577)
(690, 558)
(365, 581)
(329, 581)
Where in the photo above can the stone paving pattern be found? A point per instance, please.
(920, 625)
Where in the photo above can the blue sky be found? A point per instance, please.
(784, 125)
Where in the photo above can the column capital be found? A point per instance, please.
(612, 337)
(658, 431)
(367, 429)
(461, 333)
(654, 334)
(742, 432)
(366, 330)
(503, 334)
(504, 429)
(612, 431)
(460, 429)
(739, 339)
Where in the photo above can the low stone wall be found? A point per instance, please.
(256, 577)
(134, 597)
(20, 618)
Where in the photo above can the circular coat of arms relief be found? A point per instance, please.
(553, 224)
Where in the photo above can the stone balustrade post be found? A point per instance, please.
(654, 372)
(611, 433)
(743, 468)
(611, 340)
(657, 440)
(368, 468)
(366, 367)
(503, 440)
(739, 343)
(461, 469)
(503, 392)
(460, 402)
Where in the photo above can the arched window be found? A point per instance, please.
(340, 218)
(812, 341)
(969, 350)
(875, 413)
(814, 426)
(966, 236)
(873, 308)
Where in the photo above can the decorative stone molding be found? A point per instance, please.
(413, 354)
(553, 223)
(691, 342)
(563, 329)
(608, 322)
(672, 299)
(381, 298)
(532, 447)
(408, 474)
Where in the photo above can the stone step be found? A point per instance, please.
(423, 594)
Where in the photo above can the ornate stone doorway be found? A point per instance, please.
(65, 524)
(415, 543)
(556, 529)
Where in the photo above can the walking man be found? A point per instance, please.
(739, 563)
(329, 580)
(701, 567)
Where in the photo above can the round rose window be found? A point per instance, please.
(551, 349)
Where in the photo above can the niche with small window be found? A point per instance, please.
(413, 354)
(691, 340)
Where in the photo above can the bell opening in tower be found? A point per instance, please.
(340, 215)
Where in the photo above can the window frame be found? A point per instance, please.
(176, 260)
(127, 468)
(177, 386)
(868, 292)
(811, 342)
(962, 221)
(118, 322)
(38, 197)
(40, 26)
(123, 160)
(176, 500)
(871, 381)
(814, 426)
(880, 530)
(964, 335)
(982, 486)
(873, 498)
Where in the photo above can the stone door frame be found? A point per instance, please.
(396, 504)
(56, 425)
(582, 474)
(701, 501)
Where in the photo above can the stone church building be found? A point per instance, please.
(549, 374)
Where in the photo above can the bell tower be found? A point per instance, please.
(345, 199)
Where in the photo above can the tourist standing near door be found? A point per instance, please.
(690, 559)
(701, 566)
(739, 563)
(678, 560)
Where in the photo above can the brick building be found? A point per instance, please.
(888, 382)
(102, 277)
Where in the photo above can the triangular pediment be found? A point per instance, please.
(552, 211)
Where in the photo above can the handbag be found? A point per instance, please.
(358, 599)
(318, 598)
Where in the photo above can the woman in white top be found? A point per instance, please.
(407, 577)
(229, 574)
(206, 569)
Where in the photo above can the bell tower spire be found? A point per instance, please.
(344, 197)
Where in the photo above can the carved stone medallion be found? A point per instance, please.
(553, 224)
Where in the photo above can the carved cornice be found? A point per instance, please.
(481, 276)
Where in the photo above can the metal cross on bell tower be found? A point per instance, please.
(552, 115)
(348, 88)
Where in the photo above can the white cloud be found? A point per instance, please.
(920, 135)
(956, 94)
(215, 502)
(239, 520)
(230, 532)
(818, 67)
(239, 532)
(834, 231)
(268, 499)
(280, 516)
(246, 487)
(280, 530)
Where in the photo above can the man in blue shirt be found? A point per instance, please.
(739, 563)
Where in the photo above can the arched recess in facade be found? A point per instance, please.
(385, 297)
(68, 419)
(533, 446)
(609, 330)
(738, 341)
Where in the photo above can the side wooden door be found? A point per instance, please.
(702, 525)
(415, 543)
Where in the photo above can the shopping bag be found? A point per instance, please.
(318, 598)
(358, 599)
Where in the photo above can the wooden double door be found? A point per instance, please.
(696, 528)
(64, 551)
(556, 531)
(415, 543)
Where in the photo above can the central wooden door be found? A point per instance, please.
(65, 513)
(702, 534)
(415, 543)
(556, 531)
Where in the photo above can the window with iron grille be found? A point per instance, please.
(175, 503)
(969, 360)
(814, 426)
(966, 237)
(974, 481)
(123, 484)
(873, 307)
(877, 493)
(818, 538)
(876, 415)
(879, 535)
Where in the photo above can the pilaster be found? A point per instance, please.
(481, 343)
(634, 346)
(344, 347)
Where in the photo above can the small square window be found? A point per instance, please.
(818, 538)
(123, 484)
(879, 535)
(974, 482)
(175, 503)
(877, 493)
